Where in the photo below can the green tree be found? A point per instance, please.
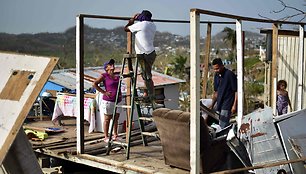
(177, 69)
(230, 38)
(178, 65)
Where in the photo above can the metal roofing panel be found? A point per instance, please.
(298, 144)
(262, 140)
(290, 126)
(67, 80)
(288, 66)
(67, 77)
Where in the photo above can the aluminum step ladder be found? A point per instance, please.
(146, 118)
(135, 101)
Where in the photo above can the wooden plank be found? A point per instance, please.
(240, 73)
(300, 100)
(13, 112)
(58, 142)
(280, 163)
(206, 60)
(17, 83)
(283, 32)
(304, 92)
(194, 92)
(88, 95)
(95, 146)
(154, 20)
(289, 66)
(243, 18)
(274, 67)
(80, 82)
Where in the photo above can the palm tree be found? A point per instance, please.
(177, 67)
(231, 39)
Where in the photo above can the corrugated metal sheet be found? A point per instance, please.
(298, 144)
(288, 66)
(67, 77)
(292, 126)
(262, 141)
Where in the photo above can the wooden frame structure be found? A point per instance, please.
(195, 57)
(80, 64)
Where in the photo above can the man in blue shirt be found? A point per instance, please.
(225, 92)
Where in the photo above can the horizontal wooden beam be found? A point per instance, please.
(213, 13)
(262, 166)
(283, 32)
(154, 20)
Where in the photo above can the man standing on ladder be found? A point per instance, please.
(145, 51)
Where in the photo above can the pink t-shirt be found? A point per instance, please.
(111, 86)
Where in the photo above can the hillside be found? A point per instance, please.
(102, 44)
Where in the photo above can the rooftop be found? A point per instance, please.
(67, 77)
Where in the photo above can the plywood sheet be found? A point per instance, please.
(22, 78)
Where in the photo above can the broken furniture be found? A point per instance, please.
(174, 130)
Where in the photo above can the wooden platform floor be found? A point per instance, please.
(143, 159)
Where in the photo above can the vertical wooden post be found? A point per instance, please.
(129, 49)
(80, 82)
(245, 103)
(195, 92)
(129, 45)
(206, 60)
(274, 68)
(239, 37)
(301, 69)
(40, 108)
(268, 67)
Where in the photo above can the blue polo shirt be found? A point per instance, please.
(226, 85)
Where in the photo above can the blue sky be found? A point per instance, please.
(35, 16)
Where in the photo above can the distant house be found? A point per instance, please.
(166, 87)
